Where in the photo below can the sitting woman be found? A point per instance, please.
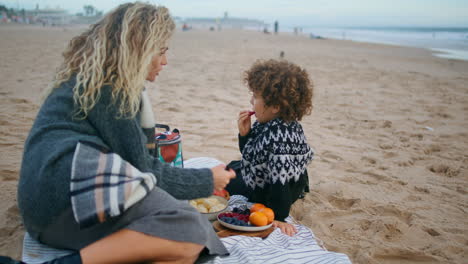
(88, 182)
(275, 153)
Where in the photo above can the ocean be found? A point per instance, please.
(447, 42)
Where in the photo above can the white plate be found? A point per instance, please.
(244, 228)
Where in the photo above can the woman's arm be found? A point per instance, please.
(124, 136)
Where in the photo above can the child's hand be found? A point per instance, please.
(286, 228)
(244, 123)
(221, 176)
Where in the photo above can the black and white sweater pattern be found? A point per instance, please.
(274, 151)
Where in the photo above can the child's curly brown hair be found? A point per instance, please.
(282, 84)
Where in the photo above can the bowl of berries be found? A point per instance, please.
(245, 220)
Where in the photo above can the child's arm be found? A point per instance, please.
(242, 142)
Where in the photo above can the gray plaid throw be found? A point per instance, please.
(104, 185)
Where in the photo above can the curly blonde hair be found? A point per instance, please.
(282, 84)
(115, 51)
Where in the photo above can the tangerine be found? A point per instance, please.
(269, 214)
(258, 219)
(256, 207)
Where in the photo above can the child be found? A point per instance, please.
(274, 149)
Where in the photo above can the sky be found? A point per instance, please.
(424, 13)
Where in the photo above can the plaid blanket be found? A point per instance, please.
(104, 185)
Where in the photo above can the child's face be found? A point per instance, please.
(263, 113)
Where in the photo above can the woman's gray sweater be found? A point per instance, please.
(44, 185)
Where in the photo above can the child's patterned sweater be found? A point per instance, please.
(275, 156)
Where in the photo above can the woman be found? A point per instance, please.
(94, 106)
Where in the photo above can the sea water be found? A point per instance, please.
(448, 42)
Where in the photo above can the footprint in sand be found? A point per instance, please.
(343, 203)
(417, 136)
(377, 176)
(404, 139)
(391, 232)
(327, 156)
(369, 160)
(431, 231)
(387, 124)
(365, 224)
(431, 149)
(389, 155)
(405, 163)
(444, 115)
(422, 189)
(391, 210)
(174, 109)
(444, 169)
(403, 255)
(385, 146)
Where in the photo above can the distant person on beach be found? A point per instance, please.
(276, 27)
(88, 183)
(275, 152)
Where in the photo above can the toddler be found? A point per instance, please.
(274, 149)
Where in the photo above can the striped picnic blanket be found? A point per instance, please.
(276, 248)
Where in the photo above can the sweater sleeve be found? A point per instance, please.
(125, 137)
(243, 141)
(183, 184)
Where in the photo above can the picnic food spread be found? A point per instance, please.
(257, 215)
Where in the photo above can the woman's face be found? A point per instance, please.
(156, 65)
(263, 113)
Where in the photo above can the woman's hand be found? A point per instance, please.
(243, 122)
(221, 176)
(286, 228)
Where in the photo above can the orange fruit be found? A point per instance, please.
(258, 219)
(256, 207)
(269, 214)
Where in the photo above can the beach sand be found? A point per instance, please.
(389, 126)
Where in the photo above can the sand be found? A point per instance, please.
(389, 183)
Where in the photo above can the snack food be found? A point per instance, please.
(207, 205)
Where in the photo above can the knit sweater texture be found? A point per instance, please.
(44, 185)
(275, 156)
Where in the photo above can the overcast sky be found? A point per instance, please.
(297, 12)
